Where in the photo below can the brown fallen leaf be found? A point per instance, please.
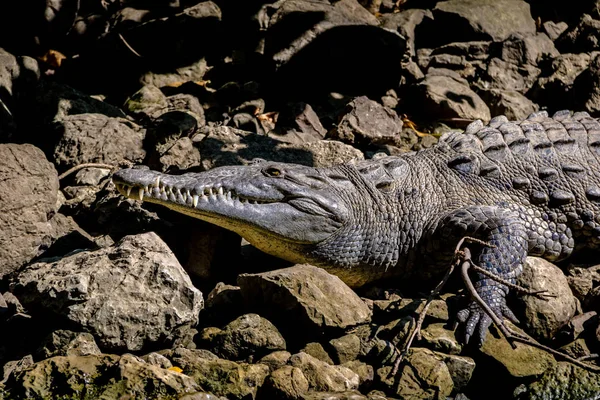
(413, 126)
(53, 58)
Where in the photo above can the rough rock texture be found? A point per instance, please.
(315, 299)
(246, 338)
(324, 377)
(485, 19)
(367, 122)
(449, 98)
(424, 375)
(220, 377)
(544, 317)
(286, 382)
(127, 296)
(28, 200)
(563, 381)
(99, 376)
(524, 361)
(97, 138)
(68, 343)
(230, 146)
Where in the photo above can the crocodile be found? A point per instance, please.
(529, 187)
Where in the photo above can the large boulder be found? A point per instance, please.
(128, 296)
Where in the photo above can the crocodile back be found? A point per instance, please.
(545, 168)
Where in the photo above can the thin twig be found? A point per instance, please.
(417, 330)
(129, 47)
(510, 335)
(540, 294)
(85, 165)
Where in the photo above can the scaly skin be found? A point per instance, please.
(529, 188)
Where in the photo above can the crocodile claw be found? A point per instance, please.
(476, 321)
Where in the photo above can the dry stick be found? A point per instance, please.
(82, 166)
(417, 330)
(129, 47)
(540, 294)
(511, 336)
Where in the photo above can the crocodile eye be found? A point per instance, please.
(272, 171)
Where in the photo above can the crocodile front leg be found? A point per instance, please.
(508, 239)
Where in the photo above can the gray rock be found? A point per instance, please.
(157, 359)
(129, 374)
(127, 296)
(507, 76)
(367, 123)
(445, 97)
(276, 359)
(544, 317)
(301, 125)
(531, 49)
(583, 281)
(316, 350)
(345, 348)
(577, 349)
(522, 362)
(347, 395)
(89, 138)
(365, 372)
(554, 29)
(193, 72)
(147, 102)
(229, 146)
(247, 338)
(345, 12)
(16, 366)
(18, 76)
(461, 369)
(437, 337)
(562, 381)
(480, 18)
(221, 377)
(324, 377)
(314, 299)
(580, 326)
(587, 86)
(558, 79)
(405, 22)
(67, 343)
(286, 382)
(581, 38)
(29, 187)
(514, 105)
(422, 375)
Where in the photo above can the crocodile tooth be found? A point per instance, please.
(129, 190)
(157, 182)
(220, 190)
(141, 193)
(195, 200)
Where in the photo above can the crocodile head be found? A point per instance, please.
(280, 208)
(339, 218)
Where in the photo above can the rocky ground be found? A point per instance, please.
(105, 298)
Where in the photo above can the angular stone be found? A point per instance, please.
(544, 317)
(562, 381)
(246, 338)
(324, 377)
(96, 138)
(314, 299)
(29, 187)
(478, 19)
(522, 362)
(128, 296)
(286, 382)
(104, 376)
